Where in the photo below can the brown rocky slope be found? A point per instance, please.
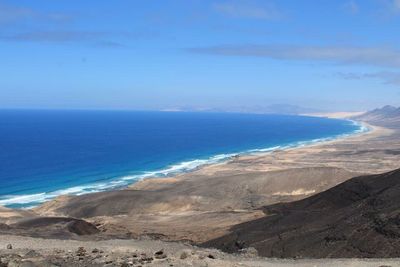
(358, 218)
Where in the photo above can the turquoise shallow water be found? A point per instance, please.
(47, 153)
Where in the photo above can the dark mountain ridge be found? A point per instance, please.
(358, 218)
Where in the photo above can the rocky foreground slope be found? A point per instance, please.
(358, 218)
(16, 251)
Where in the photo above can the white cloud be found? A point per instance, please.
(388, 77)
(377, 56)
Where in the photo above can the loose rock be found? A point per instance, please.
(160, 254)
(81, 252)
(32, 254)
(249, 252)
(184, 255)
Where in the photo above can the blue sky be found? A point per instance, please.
(171, 54)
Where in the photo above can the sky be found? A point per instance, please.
(332, 55)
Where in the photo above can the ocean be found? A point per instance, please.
(46, 153)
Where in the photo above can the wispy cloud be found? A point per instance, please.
(388, 77)
(389, 8)
(396, 5)
(110, 44)
(246, 9)
(53, 36)
(37, 22)
(351, 7)
(98, 39)
(12, 14)
(377, 56)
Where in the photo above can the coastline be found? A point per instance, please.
(205, 203)
(177, 169)
(366, 131)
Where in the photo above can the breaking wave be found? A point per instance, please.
(31, 200)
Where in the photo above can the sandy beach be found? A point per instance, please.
(204, 204)
(207, 203)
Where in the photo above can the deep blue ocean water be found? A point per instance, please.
(47, 153)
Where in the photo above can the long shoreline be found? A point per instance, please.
(179, 169)
(205, 203)
(365, 129)
(371, 131)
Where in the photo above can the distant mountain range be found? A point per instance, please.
(284, 109)
(386, 116)
(288, 109)
(358, 218)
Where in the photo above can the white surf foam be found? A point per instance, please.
(31, 200)
(35, 199)
(22, 199)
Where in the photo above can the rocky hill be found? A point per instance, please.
(387, 116)
(358, 218)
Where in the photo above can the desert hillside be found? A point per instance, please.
(387, 116)
(358, 218)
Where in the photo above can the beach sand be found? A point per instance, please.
(204, 204)
(335, 115)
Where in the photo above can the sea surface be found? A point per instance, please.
(46, 153)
